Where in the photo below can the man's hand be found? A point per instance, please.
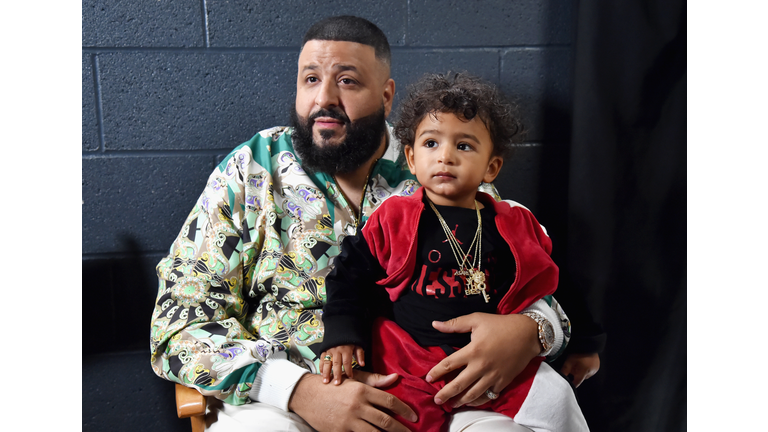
(581, 366)
(501, 347)
(341, 356)
(352, 406)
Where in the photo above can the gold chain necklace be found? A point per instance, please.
(475, 282)
(359, 215)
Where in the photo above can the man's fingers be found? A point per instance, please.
(447, 365)
(351, 406)
(479, 401)
(458, 385)
(389, 402)
(581, 375)
(381, 421)
(374, 419)
(578, 379)
(581, 367)
(462, 324)
(376, 380)
(472, 393)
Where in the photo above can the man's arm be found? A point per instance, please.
(198, 337)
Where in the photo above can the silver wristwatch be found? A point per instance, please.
(546, 331)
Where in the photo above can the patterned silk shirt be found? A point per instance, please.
(245, 278)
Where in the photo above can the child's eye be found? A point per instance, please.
(464, 147)
(430, 143)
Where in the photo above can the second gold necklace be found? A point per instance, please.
(475, 278)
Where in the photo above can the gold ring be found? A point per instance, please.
(327, 357)
(491, 395)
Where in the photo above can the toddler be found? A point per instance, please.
(446, 251)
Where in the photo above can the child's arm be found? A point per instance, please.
(338, 356)
(351, 292)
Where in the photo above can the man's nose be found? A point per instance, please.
(327, 95)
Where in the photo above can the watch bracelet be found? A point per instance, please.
(540, 319)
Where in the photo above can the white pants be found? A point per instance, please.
(550, 407)
(263, 417)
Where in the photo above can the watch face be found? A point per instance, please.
(549, 335)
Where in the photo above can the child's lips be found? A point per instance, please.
(444, 175)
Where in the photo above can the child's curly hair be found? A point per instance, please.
(465, 96)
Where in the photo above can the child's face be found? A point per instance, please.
(451, 157)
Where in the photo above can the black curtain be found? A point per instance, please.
(626, 235)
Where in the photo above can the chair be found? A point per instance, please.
(191, 404)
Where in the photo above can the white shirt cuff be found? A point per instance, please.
(543, 308)
(275, 381)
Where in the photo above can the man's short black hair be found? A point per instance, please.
(349, 28)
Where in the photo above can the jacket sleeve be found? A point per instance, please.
(351, 289)
(547, 306)
(198, 337)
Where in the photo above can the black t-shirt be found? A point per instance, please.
(435, 292)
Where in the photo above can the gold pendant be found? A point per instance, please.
(476, 284)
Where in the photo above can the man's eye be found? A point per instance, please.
(312, 79)
(347, 81)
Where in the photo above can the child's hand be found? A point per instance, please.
(339, 356)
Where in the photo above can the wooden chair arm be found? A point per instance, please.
(189, 402)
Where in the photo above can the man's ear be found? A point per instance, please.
(408, 150)
(388, 96)
(494, 166)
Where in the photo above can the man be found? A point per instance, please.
(239, 306)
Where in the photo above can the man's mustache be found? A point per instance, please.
(336, 114)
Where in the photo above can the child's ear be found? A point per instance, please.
(409, 158)
(494, 166)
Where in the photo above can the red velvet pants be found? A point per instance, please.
(395, 351)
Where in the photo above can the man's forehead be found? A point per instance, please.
(338, 53)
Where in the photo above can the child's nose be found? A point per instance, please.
(446, 155)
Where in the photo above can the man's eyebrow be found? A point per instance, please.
(309, 67)
(338, 68)
(343, 67)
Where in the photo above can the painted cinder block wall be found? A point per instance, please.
(171, 86)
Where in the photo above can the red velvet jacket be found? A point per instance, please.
(391, 235)
(392, 238)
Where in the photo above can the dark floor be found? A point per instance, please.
(121, 393)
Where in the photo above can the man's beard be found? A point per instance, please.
(362, 140)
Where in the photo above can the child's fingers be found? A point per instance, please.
(325, 368)
(326, 373)
(360, 356)
(337, 368)
(348, 363)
